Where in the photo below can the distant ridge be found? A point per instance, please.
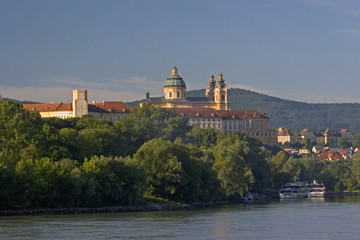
(18, 101)
(291, 114)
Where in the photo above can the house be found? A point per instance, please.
(306, 134)
(288, 150)
(283, 135)
(346, 154)
(325, 154)
(335, 156)
(317, 149)
(304, 150)
(344, 134)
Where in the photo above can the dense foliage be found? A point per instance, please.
(51, 162)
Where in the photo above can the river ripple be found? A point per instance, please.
(297, 219)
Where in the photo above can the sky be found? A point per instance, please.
(303, 50)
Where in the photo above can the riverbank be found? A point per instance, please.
(147, 207)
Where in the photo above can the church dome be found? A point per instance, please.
(174, 80)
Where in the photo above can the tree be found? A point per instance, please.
(117, 181)
(149, 122)
(171, 171)
(18, 128)
(234, 175)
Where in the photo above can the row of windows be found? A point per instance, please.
(178, 94)
(259, 134)
(204, 120)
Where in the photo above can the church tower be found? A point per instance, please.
(221, 94)
(174, 86)
(210, 89)
(80, 103)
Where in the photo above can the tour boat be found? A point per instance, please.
(294, 190)
(316, 189)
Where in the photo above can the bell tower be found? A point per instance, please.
(80, 103)
(210, 89)
(221, 94)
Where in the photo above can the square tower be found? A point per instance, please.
(80, 103)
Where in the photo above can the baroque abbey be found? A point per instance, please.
(175, 94)
(210, 111)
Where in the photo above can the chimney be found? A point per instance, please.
(147, 95)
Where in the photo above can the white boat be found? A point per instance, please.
(316, 189)
(294, 190)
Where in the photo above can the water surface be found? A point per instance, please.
(292, 219)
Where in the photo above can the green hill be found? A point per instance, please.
(292, 114)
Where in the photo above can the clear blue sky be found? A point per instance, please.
(306, 50)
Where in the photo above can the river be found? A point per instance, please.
(336, 218)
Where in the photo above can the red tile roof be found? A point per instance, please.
(47, 107)
(92, 107)
(335, 156)
(284, 132)
(325, 154)
(109, 107)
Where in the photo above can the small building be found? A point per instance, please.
(335, 156)
(346, 154)
(317, 149)
(283, 135)
(306, 134)
(346, 135)
(325, 154)
(304, 150)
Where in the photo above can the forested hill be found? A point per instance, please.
(18, 101)
(293, 114)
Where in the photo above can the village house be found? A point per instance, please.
(317, 149)
(283, 135)
(304, 150)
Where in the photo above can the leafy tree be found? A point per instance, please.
(171, 172)
(149, 122)
(234, 175)
(204, 137)
(36, 183)
(18, 129)
(356, 141)
(116, 180)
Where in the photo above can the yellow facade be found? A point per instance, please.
(216, 94)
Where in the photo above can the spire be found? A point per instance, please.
(221, 79)
(212, 80)
(174, 71)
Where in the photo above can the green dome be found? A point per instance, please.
(174, 80)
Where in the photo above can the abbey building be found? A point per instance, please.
(210, 111)
(216, 96)
(110, 110)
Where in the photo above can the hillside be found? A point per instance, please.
(292, 114)
(18, 101)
